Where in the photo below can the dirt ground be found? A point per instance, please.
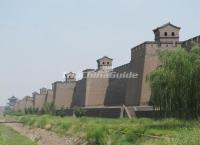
(44, 137)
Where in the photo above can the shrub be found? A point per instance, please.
(96, 136)
(61, 112)
(49, 108)
(79, 112)
(8, 110)
(31, 110)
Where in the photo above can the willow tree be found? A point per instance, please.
(175, 85)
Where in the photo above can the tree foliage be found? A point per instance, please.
(175, 85)
(31, 110)
(79, 112)
(7, 110)
(49, 108)
(61, 112)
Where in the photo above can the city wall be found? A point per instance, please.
(101, 92)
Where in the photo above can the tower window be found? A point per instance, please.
(165, 33)
(108, 63)
(173, 33)
(103, 62)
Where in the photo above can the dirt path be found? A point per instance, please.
(43, 137)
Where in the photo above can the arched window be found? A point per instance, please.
(103, 62)
(165, 33)
(108, 63)
(173, 33)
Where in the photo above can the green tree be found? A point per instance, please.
(175, 85)
(49, 108)
(7, 110)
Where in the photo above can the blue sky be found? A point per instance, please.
(42, 39)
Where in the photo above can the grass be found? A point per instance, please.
(10, 137)
(99, 131)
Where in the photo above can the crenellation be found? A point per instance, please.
(188, 43)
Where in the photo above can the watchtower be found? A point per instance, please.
(104, 63)
(167, 33)
(70, 77)
(12, 101)
(43, 91)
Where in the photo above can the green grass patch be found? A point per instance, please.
(10, 137)
(101, 131)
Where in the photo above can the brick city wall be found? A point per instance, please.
(111, 91)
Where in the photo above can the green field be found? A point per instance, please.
(10, 137)
(99, 131)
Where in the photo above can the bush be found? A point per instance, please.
(49, 108)
(61, 112)
(31, 110)
(79, 112)
(8, 110)
(96, 136)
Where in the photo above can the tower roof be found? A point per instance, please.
(70, 76)
(35, 93)
(105, 57)
(167, 24)
(12, 98)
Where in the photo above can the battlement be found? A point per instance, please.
(188, 43)
(122, 68)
